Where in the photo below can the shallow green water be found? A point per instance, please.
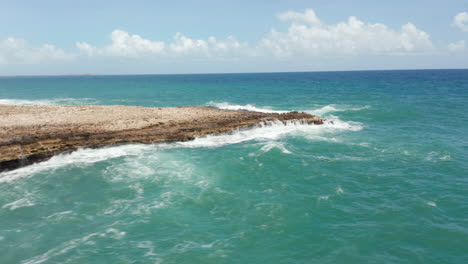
(386, 182)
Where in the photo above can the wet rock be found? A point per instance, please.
(29, 143)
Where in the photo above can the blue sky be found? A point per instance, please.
(140, 37)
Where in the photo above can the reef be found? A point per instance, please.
(34, 133)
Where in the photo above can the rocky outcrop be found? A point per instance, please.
(49, 132)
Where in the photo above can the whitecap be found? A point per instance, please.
(115, 233)
(59, 215)
(340, 157)
(189, 245)
(445, 157)
(335, 108)
(275, 145)
(23, 202)
(434, 155)
(362, 144)
(339, 190)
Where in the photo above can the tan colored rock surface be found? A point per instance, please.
(35, 133)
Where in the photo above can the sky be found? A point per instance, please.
(55, 37)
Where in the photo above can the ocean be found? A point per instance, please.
(385, 182)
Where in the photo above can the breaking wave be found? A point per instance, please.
(55, 101)
(322, 111)
(265, 131)
(247, 107)
(334, 108)
(272, 130)
(81, 157)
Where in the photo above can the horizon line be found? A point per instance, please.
(214, 73)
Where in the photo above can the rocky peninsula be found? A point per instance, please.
(35, 133)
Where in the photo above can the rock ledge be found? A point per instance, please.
(30, 134)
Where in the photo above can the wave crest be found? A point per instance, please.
(247, 107)
(334, 108)
(55, 101)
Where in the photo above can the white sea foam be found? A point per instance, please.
(266, 131)
(272, 145)
(247, 107)
(272, 130)
(23, 202)
(334, 108)
(434, 156)
(54, 101)
(81, 157)
(341, 157)
(114, 233)
(69, 245)
(62, 249)
(189, 245)
(147, 245)
(59, 215)
(339, 190)
(322, 111)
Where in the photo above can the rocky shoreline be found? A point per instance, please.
(34, 133)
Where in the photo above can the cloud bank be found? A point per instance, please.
(19, 51)
(134, 46)
(306, 36)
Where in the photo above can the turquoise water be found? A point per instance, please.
(386, 182)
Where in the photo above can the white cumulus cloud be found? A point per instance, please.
(19, 51)
(458, 46)
(461, 21)
(185, 45)
(308, 36)
(308, 16)
(125, 45)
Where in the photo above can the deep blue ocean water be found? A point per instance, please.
(386, 182)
